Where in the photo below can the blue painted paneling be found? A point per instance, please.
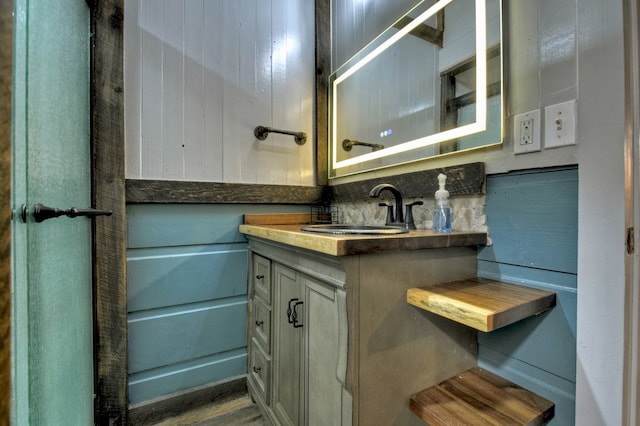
(548, 280)
(547, 341)
(560, 391)
(187, 295)
(544, 340)
(532, 218)
(171, 335)
(152, 225)
(202, 371)
(169, 276)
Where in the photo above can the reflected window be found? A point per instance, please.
(458, 101)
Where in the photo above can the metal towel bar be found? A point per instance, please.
(347, 144)
(261, 133)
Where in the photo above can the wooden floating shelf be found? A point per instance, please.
(479, 397)
(483, 304)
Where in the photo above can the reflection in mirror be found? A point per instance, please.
(431, 84)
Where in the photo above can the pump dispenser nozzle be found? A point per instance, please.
(442, 194)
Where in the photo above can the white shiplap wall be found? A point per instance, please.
(200, 75)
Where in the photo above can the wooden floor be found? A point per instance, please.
(241, 411)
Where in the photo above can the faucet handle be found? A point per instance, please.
(409, 223)
(390, 219)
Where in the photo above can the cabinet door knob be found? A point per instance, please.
(256, 369)
(259, 277)
(259, 323)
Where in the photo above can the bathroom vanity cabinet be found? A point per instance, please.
(332, 339)
(295, 340)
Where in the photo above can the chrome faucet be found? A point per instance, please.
(375, 193)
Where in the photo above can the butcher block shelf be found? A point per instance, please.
(483, 304)
(479, 397)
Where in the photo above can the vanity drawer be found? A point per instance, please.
(262, 324)
(259, 372)
(262, 277)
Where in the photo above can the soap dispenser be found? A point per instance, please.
(442, 211)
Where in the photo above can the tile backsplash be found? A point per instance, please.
(467, 213)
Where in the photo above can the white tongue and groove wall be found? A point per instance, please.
(201, 75)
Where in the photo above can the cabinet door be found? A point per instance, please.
(287, 348)
(323, 390)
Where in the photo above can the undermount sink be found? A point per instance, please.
(337, 229)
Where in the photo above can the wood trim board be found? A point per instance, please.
(323, 69)
(6, 47)
(140, 191)
(465, 179)
(109, 233)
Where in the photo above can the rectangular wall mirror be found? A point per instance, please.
(429, 85)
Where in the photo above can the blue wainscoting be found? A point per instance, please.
(187, 295)
(533, 223)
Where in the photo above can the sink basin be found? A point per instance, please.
(336, 229)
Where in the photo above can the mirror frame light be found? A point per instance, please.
(479, 125)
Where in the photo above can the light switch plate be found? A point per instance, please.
(560, 124)
(526, 132)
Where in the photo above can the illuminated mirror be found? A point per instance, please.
(431, 84)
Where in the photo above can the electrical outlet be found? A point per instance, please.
(526, 132)
(560, 125)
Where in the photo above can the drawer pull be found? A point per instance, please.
(257, 369)
(259, 323)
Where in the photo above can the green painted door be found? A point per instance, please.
(52, 303)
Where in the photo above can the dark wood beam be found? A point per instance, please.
(6, 47)
(323, 70)
(178, 192)
(424, 31)
(109, 240)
